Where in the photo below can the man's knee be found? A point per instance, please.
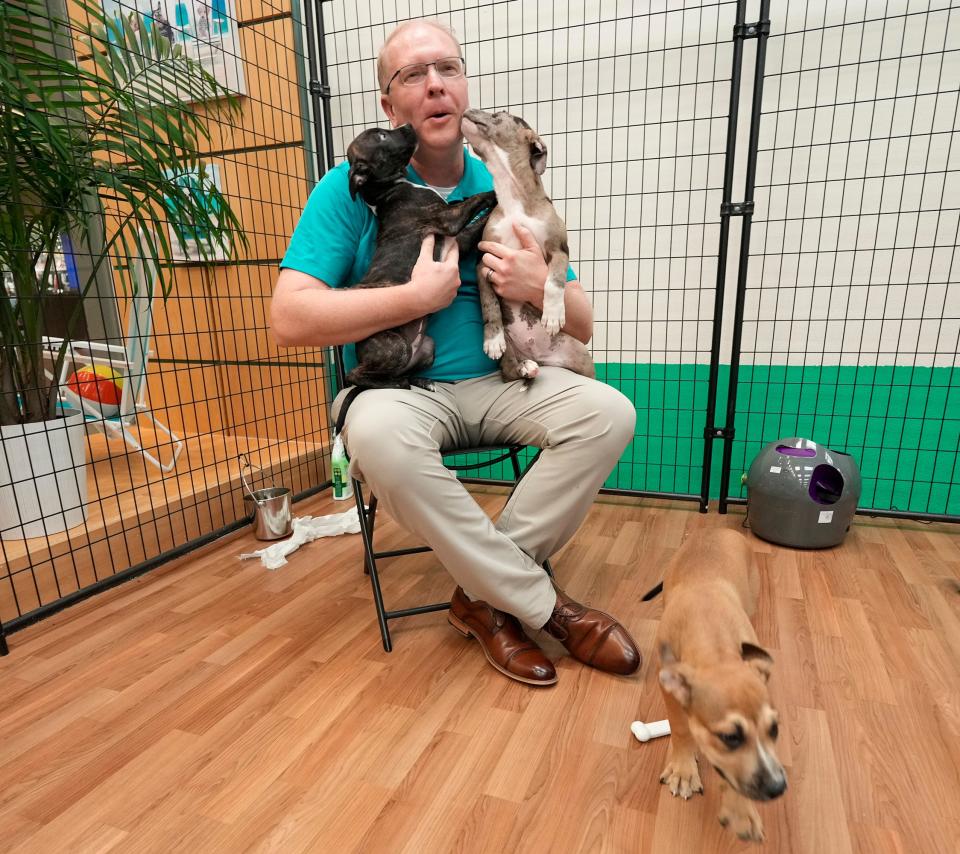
(623, 414)
(383, 439)
(613, 413)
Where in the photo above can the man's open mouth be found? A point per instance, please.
(439, 116)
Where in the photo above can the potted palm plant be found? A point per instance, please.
(97, 133)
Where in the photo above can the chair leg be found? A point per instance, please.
(370, 563)
(371, 517)
(515, 460)
(372, 513)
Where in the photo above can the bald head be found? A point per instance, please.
(387, 63)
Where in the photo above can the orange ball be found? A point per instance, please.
(98, 384)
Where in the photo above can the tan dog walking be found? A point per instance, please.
(714, 679)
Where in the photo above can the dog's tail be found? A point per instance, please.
(654, 593)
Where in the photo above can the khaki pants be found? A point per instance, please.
(395, 436)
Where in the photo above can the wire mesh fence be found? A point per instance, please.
(191, 122)
(849, 331)
(852, 309)
(632, 100)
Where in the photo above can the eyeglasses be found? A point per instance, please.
(416, 74)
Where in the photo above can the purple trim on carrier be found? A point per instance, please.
(790, 451)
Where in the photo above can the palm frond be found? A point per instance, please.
(117, 123)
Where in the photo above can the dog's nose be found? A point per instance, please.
(775, 787)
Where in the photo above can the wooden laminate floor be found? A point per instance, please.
(213, 706)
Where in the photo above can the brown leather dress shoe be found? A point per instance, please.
(593, 637)
(502, 640)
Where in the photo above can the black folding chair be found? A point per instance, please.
(367, 513)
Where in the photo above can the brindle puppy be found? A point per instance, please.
(407, 214)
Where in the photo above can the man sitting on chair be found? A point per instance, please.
(395, 436)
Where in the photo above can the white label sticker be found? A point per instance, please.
(826, 516)
(774, 469)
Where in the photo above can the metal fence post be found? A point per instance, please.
(741, 31)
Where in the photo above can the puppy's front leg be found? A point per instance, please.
(681, 773)
(494, 340)
(557, 256)
(457, 215)
(739, 814)
(469, 237)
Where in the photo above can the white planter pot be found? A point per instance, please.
(43, 477)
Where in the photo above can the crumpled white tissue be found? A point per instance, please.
(305, 530)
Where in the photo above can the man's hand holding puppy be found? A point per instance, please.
(519, 275)
(516, 274)
(435, 283)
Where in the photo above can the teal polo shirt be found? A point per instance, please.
(335, 239)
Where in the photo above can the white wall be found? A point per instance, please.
(854, 248)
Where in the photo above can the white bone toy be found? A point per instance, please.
(644, 732)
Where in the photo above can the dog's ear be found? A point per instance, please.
(667, 655)
(538, 155)
(758, 658)
(675, 679)
(675, 676)
(358, 177)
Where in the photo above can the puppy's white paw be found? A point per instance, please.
(743, 820)
(495, 346)
(683, 777)
(553, 316)
(553, 319)
(529, 369)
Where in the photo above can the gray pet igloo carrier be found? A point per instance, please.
(802, 494)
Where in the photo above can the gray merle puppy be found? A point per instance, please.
(522, 337)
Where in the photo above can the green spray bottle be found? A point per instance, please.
(339, 464)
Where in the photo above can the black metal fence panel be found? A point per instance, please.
(160, 278)
(632, 101)
(852, 305)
